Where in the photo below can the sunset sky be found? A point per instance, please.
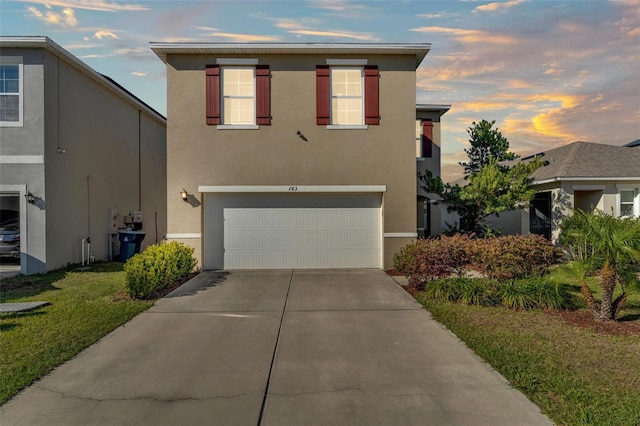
(548, 72)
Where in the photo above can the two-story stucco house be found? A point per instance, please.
(291, 155)
(78, 152)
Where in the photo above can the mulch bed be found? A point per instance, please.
(577, 318)
(6, 285)
(161, 293)
(584, 319)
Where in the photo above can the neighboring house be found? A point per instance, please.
(291, 155)
(580, 175)
(77, 153)
(428, 155)
(584, 175)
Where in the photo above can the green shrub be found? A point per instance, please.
(157, 268)
(513, 256)
(513, 294)
(529, 294)
(466, 291)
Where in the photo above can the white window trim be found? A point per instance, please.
(238, 127)
(360, 126)
(16, 60)
(419, 152)
(636, 199)
(347, 126)
(231, 126)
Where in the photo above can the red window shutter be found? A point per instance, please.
(371, 95)
(263, 95)
(323, 95)
(427, 138)
(213, 94)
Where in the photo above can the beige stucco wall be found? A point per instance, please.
(274, 155)
(108, 139)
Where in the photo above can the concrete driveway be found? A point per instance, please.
(277, 348)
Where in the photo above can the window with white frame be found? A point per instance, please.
(11, 91)
(347, 95)
(629, 205)
(238, 95)
(418, 138)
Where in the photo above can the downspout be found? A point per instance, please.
(139, 161)
(88, 216)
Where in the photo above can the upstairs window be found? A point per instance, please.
(424, 138)
(347, 94)
(11, 91)
(238, 96)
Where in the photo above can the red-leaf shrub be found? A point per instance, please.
(513, 256)
(429, 259)
(500, 258)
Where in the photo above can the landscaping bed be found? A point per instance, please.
(578, 370)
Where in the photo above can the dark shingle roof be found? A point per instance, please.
(585, 159)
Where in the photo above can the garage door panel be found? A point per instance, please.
(306, 231)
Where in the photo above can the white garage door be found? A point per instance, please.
(276, 231)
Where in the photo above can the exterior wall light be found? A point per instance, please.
(184, 194)
(31, 199)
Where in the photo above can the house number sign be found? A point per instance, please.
(293, 188)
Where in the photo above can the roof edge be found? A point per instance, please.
(583, 178)
(162, 49)
(441, 108)
(51, 46)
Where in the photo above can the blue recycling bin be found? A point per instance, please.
(129, 243)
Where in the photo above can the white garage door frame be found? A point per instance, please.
(238, 202)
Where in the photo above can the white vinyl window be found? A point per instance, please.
(11, 91)
(629, 205)
(238, 95)
(347, 96)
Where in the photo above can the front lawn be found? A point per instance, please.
(578, 371)
(85, 306)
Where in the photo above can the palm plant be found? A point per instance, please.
(613, 245)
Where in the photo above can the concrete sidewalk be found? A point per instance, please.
(277, 348)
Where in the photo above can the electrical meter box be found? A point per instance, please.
(137, 220)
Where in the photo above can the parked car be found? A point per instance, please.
(10, 240)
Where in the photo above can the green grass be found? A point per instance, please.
(85, 306)
(575, 375)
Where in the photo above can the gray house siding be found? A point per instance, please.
(26, 144)
(99, 149)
